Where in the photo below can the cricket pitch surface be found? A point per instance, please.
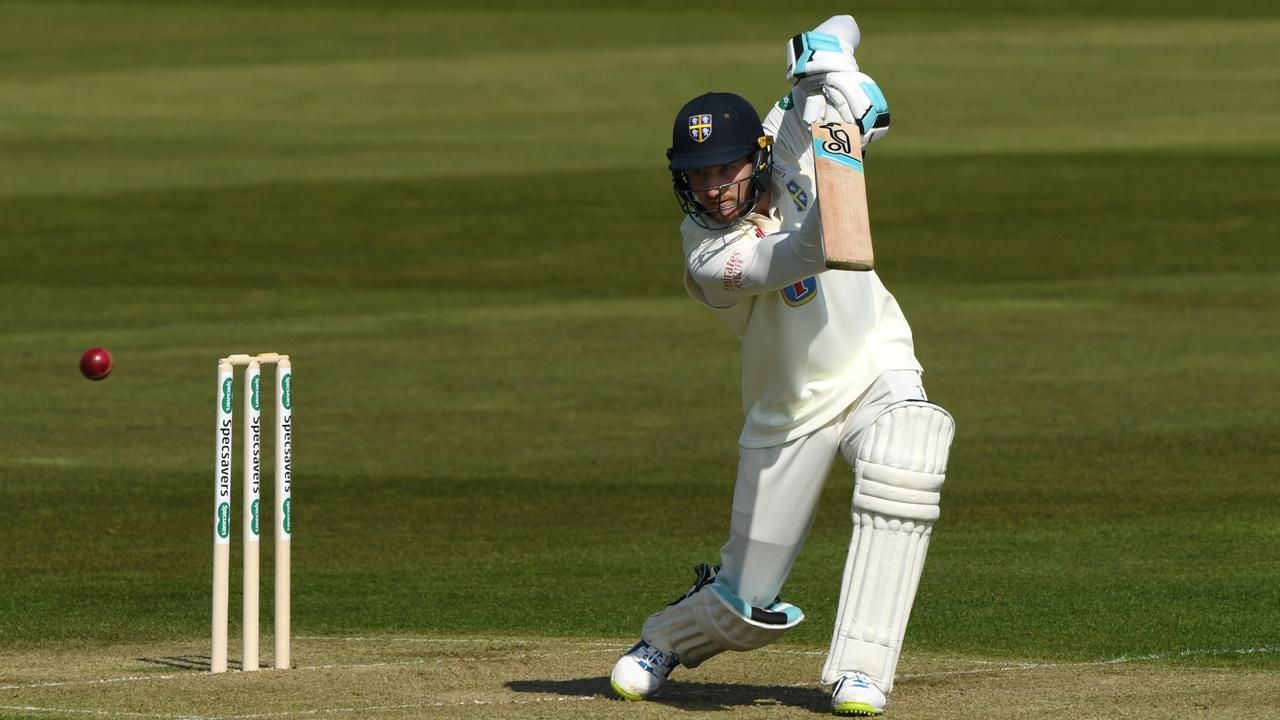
(443, 677)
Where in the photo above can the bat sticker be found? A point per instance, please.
(838, 147)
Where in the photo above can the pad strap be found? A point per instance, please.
(712, 619)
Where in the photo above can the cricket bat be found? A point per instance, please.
(842, 194)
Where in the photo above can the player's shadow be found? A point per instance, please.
(692, 696)
(186, 662)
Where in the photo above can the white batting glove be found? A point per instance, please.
(854, 95)
(827, 48)
(821, 64)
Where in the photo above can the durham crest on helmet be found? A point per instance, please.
(700, 127)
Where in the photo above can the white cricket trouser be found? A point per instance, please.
(778, 488)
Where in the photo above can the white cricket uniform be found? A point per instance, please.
(822, 353)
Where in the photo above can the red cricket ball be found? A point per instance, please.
(95, 363)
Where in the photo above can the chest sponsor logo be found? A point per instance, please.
(733, 272)
(800, 293)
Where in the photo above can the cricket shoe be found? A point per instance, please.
(856, 694)
(638, 674)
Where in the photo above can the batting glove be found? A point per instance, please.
(854, 95)
(821, 64)
(827, 48)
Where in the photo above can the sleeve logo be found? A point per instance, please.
(798, 195)
(798, 294)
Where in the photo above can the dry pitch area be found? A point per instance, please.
(553, 678)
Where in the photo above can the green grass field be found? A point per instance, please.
(512, 426)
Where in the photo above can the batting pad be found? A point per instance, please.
(901, 466)
(713, 619)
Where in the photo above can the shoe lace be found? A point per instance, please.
(654, 659)
(856, 679)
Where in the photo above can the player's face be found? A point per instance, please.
(722, 190)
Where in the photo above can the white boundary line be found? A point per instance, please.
(1006, 667)
(303, 713)
(413, 706)
(468, 641)
(99, 681)
(99, 713)
(201, 673)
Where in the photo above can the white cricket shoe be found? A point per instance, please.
(856, 694)
(638, 674)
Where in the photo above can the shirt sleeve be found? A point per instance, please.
(791, 135)
(745, 262)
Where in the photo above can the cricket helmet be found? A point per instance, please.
(712, 130)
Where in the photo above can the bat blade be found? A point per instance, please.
(842, 195)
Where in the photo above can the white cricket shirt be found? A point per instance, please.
(811, 344)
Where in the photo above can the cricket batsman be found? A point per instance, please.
(828, 368)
